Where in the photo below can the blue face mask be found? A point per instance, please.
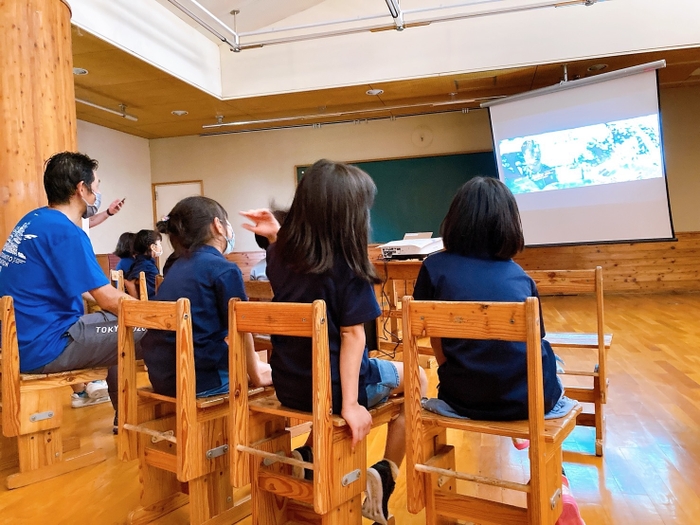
(92, 208)
(230, 241)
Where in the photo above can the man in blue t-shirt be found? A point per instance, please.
(48, 265)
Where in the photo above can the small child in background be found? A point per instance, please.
(320, 252)
(147, 246)
(125, 252)
(481, 233)
(199, 229)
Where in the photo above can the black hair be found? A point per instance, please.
(483, 221)
(189, 223)
(263, 241)
(125, 245)
(62, 174)
(329, 218)
(143, 241)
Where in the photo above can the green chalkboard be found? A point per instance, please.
(413, 194)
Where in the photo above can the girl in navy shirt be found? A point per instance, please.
(320, 252)
(147, 246)
(481, 234)
(125, 252)
(201, 234)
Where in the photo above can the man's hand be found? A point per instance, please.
(116, 206)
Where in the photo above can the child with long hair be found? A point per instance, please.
(200, 231)
(147, 246)
(486, 379)
(320, 252)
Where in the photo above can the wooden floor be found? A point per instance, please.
(650, 473)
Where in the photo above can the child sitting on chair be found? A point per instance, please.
(125, 252)
(481, 233)
(320, 252)
(147, 246)
(201, 233)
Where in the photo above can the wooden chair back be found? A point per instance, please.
(290, 319)
(480, 321)
(143, 288)
(117, 278)
(159, 281)
(258, 290)
(32, 410)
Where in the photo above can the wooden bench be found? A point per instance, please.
(567, 282)
(430, 468)
(32, 413)
(261, 442)
(181, 441)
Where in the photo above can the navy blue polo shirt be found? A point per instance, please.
(349, 300)
(208, 280)
(125, 265)
(45, 265)
(143, 263)
(485, 379)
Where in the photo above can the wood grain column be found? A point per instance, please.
(37, 101)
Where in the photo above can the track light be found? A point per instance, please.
(121, 113)
(396, 13)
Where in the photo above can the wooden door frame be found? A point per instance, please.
(153, 193)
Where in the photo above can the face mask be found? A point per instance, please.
(230, 241)
(158, 251)
(92, 208)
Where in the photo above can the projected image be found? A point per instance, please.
(619, 151)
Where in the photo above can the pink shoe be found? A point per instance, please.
(521, 444)
(570, 514)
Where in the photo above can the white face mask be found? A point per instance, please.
(92, 209)
(157, 249)
(230, 241)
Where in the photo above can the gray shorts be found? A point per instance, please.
(91, 343)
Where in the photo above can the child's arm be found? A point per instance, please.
(264, 223)
(352, 348)
(260, 373)
(436, 344)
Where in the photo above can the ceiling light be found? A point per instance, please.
(122, 113)
(79, 71)
(374, 92)
(179, 112)
(597, 67)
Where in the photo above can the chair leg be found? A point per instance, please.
(553, 489)
(9, 457)
(212, 503)
(444, 457)
(599, 419)
(40, 457)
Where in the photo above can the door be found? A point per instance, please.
(165, 196)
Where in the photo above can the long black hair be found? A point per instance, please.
(329, 218)
(483, 221)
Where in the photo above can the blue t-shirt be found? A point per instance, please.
(485, 379)
(143, 263)
(349, 300)
(45, 265)
(125, 265)
(208, 280)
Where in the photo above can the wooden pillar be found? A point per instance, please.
(37, 101)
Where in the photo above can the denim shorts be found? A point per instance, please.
(389, 380)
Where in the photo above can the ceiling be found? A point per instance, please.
(116, 77)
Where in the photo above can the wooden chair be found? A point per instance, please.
(430, 459)
(181, 441)
(32, 412)
(261, 445)
(143, 287)
(567, 282)
(159, 281)
(117, 278)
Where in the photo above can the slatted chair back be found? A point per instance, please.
(569, 282)
(117, 278)
(32, 411)
(480, 321)
(143, 288)
(288, 319)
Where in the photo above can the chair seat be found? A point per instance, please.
(577, 339)
(67, 378)
(202, 402)
(269, 404)
(555, 430)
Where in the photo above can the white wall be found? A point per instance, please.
(246, 171)
(124, 171)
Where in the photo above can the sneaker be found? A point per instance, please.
(570, 514)
(303, 454)
(97, 389)
(380, 486)
(82, 399)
